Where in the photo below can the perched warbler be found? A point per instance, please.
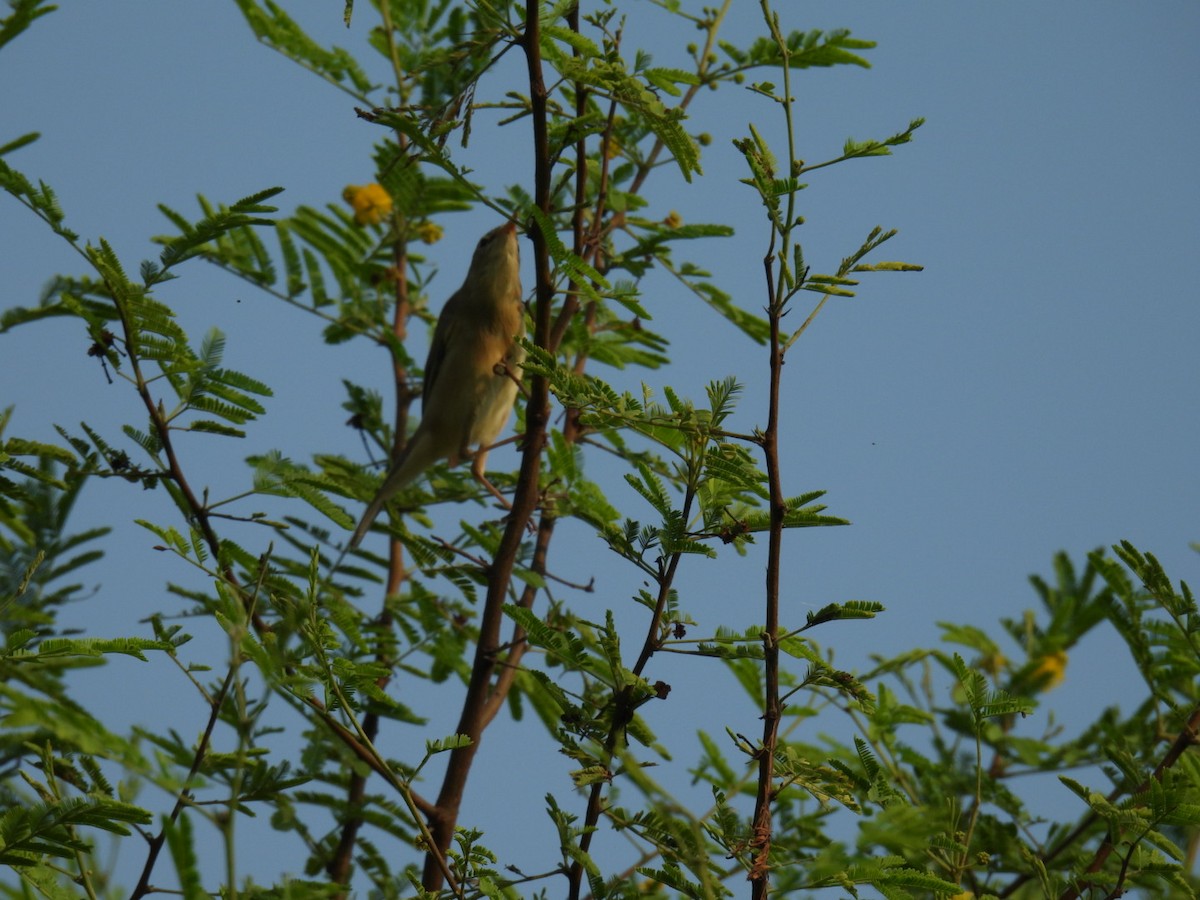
(471, 374)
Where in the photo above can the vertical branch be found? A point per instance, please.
(474, 716)
(760, 840)
(571, 429)
(341, 863)
(761, 825)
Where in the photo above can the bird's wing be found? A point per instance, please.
(443, 336)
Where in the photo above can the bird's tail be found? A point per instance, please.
(368, 519)
(418, 456)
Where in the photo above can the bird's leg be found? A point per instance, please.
(477, 470)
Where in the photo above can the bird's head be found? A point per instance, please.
(495, 267)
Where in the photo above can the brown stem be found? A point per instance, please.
(341, 863)
(473, 718)
(491, 679)
(761, 829)
(517, 643)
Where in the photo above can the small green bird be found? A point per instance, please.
(471, 374)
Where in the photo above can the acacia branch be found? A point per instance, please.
(474, 716)
(761, 828)
(341, 864)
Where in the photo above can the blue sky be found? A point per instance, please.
(1034, 389)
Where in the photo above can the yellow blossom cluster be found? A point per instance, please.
(370, 202)
(1051, 669)
(428, 232)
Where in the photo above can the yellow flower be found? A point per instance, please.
(370, 202)
(963, 895)
(428, 232)
(673, 220)
(1051, 669)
